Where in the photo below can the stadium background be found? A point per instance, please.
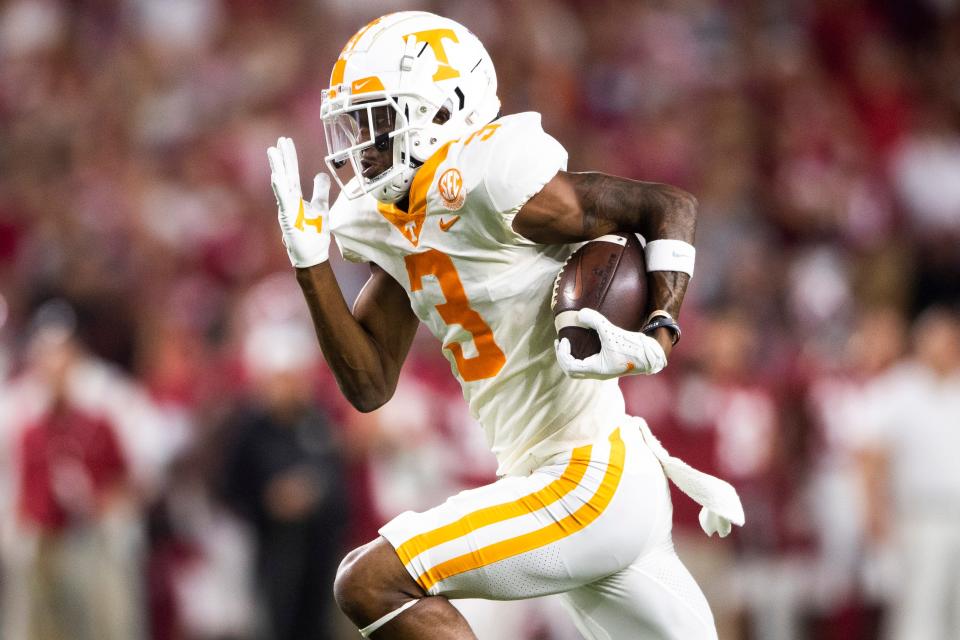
(175, 460)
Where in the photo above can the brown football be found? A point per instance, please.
(607, 274)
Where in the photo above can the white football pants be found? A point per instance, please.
(593, 523)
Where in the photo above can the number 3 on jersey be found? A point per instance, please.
(456, 310)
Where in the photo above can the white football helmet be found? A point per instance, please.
(388, 84)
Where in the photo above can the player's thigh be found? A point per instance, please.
(582, 517)
(655, 598)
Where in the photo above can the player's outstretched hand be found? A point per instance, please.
(622, 352)
(306, 232)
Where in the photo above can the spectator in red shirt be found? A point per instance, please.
(72, 503)
(70, 468)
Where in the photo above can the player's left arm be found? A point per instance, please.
(574, 207)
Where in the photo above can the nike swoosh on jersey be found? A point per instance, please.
(446, 224)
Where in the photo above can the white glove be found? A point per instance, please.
(306, 232)
(622, 352)
(712, 522)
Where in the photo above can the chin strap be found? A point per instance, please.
(408, 59)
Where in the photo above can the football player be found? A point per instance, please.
(465, 218)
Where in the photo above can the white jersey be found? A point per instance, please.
(484, 290)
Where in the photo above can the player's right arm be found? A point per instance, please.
(365, 348)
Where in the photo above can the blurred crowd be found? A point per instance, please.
(176, 462)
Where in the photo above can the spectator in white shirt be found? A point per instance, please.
(911, 445)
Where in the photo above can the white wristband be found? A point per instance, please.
(670, 255)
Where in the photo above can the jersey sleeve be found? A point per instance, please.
(523, 159)
(342, 213)
(345, 250)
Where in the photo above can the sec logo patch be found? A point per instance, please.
(450, 186)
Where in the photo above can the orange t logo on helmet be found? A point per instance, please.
(399, 70)
(434, 39)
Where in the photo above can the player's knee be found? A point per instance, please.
(352, 587)
(368, 584)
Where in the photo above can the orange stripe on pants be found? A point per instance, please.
(551, 493)
(569, 525)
